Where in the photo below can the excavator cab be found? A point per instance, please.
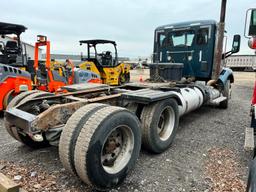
(105, 63)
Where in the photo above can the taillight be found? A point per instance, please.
(252, 43)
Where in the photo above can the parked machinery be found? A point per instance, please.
(13, 79)
(105, 63)
(52, 77)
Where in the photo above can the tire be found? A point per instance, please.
(133, 107)
(127, 77)
(226, 93)
(35, 95)
(13, 131)
(8, 98)
(71, 132)
(160, 122)
(124, 78)
(107, 147)
(251, 182)
(20, 97)
(24, 138)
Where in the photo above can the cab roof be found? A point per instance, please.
(97, 41)
(187, 24)
(9, 28)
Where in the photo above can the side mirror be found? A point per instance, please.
(236, 44)
(235, 47)
(250, 23)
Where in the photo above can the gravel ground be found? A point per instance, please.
(181, 168)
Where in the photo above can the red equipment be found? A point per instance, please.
(252, 43)
(254, 95)
(48, 79)
(13, 81)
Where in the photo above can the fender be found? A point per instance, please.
(226, 74)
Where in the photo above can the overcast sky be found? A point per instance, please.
(130, 23)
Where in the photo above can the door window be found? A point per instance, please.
(190, 38)
(202, 36)
(162, 40)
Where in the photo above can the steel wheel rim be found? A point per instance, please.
(166, 123)
(117, 149)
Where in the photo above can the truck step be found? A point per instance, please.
(249, 139)
(218, 100)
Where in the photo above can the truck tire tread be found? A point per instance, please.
(85, 140)
(149, 118)
(71, 132)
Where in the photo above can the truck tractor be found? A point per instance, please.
(106, 63)
(99, 129)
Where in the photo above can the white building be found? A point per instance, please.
(241, 62)
(30, 49)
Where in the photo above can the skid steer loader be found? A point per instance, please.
(105, 63)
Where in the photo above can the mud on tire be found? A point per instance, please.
(160, 121)
(107, 147)
(71, 132)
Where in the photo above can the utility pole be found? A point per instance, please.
(219, 45)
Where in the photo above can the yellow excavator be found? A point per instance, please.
(105, 64)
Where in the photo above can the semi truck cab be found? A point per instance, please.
(191, 43)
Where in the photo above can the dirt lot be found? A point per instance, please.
(207, 154)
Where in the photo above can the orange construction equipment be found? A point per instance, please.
(47, 78)
(13, 80)
(51, 78)
(17, 75)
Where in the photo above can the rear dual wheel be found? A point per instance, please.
(107, 142)
(160, 122)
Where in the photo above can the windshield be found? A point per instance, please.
(181, 38)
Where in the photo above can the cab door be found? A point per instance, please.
(204, 52)
(160, 49)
